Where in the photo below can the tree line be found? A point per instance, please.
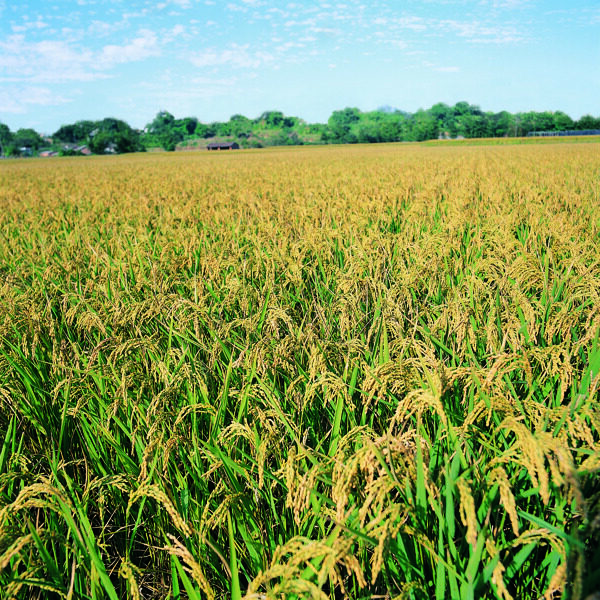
(273, 128)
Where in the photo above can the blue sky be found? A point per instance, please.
(89, 59)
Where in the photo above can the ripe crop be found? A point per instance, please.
(303, 373)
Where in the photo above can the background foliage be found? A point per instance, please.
(273, 128)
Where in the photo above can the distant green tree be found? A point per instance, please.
(74, 133)
(165, 131)
(188, 125)
(588, 122)
(240, 126)
(562, 122)
(27, 138)
(6, 139)
(368, 133)
(162, 122)
(475, 126)
(289, 122)
(390, 128)
(271, 118)
(340, 124)
(461, 108)
(67, 134)
(99, 142)
(170, 138)
(443, 114)
(502, 124)
(209, 130)
(114, 134)
(223, 129)
(422, 126)
(544, 121)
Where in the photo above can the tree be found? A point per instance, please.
(443, 114)
(461, 108)
(369, 133)
(502, 124)
(289, 122)
(115, 134)
(99, 142)
(6, 139)
(422, 126)
(240, 126)
(27, 138)
(588, 122)
(205, 131)
(169, 139)
(188, 125)
(271, 118)
(340, 123)
(68, 134)
(562, 121)
(162, 122)
(74, 133)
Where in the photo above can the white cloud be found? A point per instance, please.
(101, 28)
(214, 81)
(27, 25)
(480, 33)
(236, 7)
(58, 61)
(180, 3)
(177, 32)
(413, 23)
(508, 4)
(18, 100)
(46, 61)
(142, 47)
(235, 56)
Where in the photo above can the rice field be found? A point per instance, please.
(329, 372)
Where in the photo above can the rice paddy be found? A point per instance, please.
(328, 372)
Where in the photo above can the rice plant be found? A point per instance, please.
(363, 372)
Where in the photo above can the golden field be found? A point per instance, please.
(325, 372)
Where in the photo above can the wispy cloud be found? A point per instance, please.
(237, 56)
(18, 100)
(28, 25)
(57, 61)
(477, 32)
(145, 45)
(508, 4)
(179, 3)
(48, 61)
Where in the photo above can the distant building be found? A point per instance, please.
(568, 132)
(75, 149)
(223, 146)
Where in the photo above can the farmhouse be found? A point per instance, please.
(223, 146)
